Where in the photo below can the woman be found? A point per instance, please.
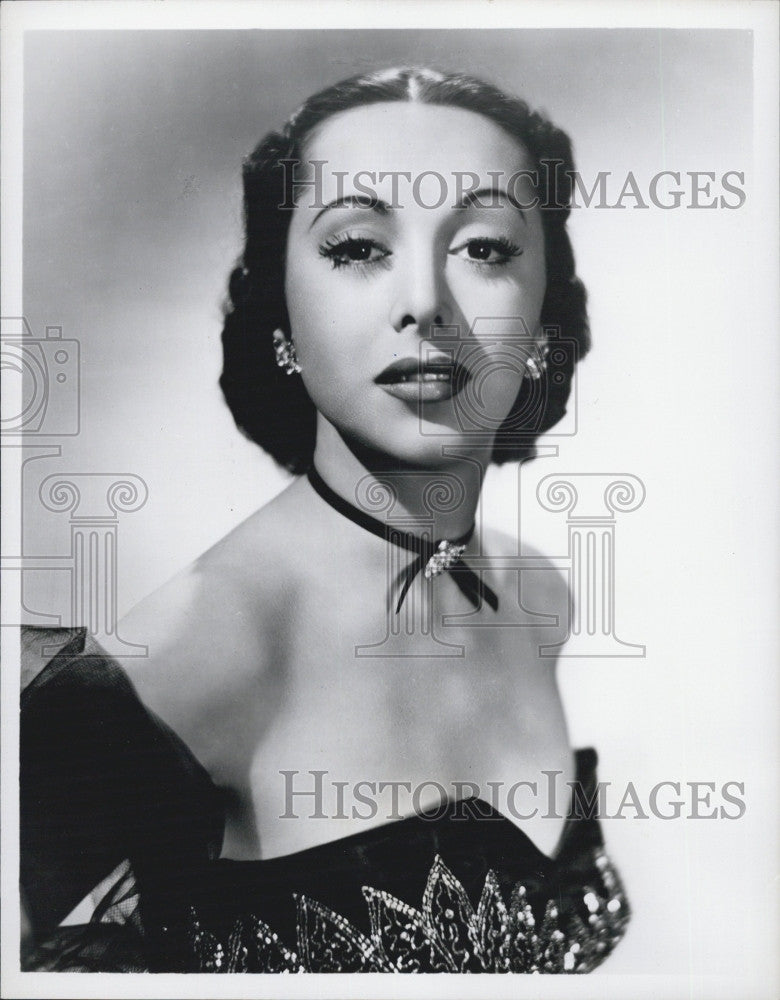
(387, 331)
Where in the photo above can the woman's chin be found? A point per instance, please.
(434, 447)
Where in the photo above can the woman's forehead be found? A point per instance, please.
(399, 138)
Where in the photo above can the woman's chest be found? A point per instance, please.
(359, 741)
(436, 697)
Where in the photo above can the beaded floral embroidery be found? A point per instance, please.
(446, 935)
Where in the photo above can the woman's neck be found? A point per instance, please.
(440, 501)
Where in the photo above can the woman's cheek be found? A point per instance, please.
(328, 328)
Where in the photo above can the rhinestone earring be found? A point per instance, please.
(534, 368)
(286, 357)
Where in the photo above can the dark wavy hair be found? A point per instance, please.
(274, 409)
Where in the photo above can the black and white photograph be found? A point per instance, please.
(389, 446)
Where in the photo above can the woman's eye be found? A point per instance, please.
(353, 251)
(489, 251)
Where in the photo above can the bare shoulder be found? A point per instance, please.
(225, 586)
(215, 631)
(532, 620)
(542, 586)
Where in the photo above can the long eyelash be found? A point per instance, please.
(507, 246)
(333, 245)
(500, 243)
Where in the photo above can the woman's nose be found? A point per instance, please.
(421, 300)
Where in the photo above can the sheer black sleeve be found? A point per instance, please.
(102, 780)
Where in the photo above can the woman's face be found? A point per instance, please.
(414, 279)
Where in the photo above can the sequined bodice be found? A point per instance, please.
(105, 784)
(463, 892)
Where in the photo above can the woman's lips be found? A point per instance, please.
(430, 382)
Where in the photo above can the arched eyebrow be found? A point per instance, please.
(471, 198)
(355, 201)
(382, 208)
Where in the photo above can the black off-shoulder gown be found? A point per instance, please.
(109, 794)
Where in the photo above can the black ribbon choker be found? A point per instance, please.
(437, 557)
